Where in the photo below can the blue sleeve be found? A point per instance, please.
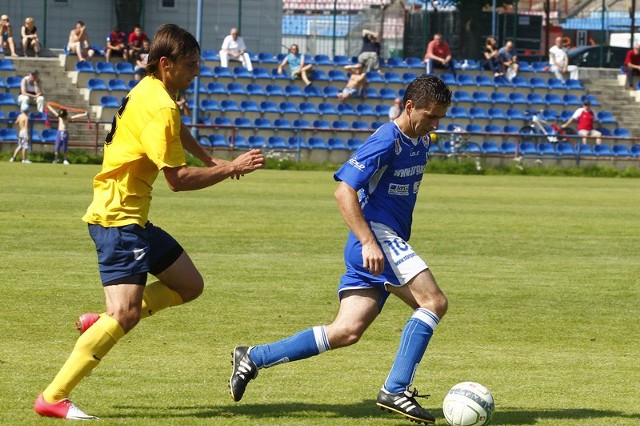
(370, 157)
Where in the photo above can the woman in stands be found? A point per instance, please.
(29, 34)
(7, 35)
(491, 60)
(296, 64)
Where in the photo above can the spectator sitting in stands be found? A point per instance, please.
(7, 35)
(116, 44)
(140, 68)
(509, 60)
(31, 91)
(559, 62)
(438, 55)
(357, 82)
(491, 60)
(370, 52)
(79, 42)
(233, 48)
(396, 109)
(29, 34)
(134, 43)
(632, 64)
(297, 66)
(585, 117)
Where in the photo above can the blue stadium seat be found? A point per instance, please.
(288, 108)
(490, 148)
(276, 142)
(517, 98)
(206, 71)
(550, 114)
(364, 109)
(371, 93)
(594, 101)
(360, 125)
(322, 60)
(565, 148)
(501, 81)
(209, 105)
(571, 100)
(619, 150)
(124, 68)
(553, 99)
(109, 102)
(584, 149)
(499, 98)
(381, 110)
(327, 108)
(242, 72)
(621, 132)
(321, 124)
(49, 135)
(555, 84)
(508, 148)
(209, 55)
(471, 147)
(537, 83)
(318, 75)
(484, 80)
(606, 117)
(535, 98)
(8, 135)
(336, 143)
(514, 114)
(261, 73)
(602, 150)
(340, 124)
(276, 76)
(105, 67)
(295, 142)
(414, 62)
(408, 77)
(461, 96)
(274, 90)
(477, 113)
(635, 150)
(473, 128)
(316, 143)
(307, 108)
(92, 84)
(242, 122)
(605, 131)
(395, 62)
(387, 93)
(222, 121)
(236, 89)
(449, 79)
(374, 77)
(346, 109)
(520, 82)
(293, 90)
(528, 148)
(458, 112)
(540, 66)
(218, 141)
(376, 124)
(216, 89)
(330, 92)
(341, 60)
(573, 84)
(492, 128)
(354, 143)
(312, 91)
(301, 123)
(35, 136)
(117, 84)
(229, 105)
(282, 123)
(392, 77)
(546, 148)
(249, 106)
(7, 65)
(510, 128)
(203, 88)
(267, 58)
(565, 115)
(253, 89)
(222, 72)
(480, 97)
(269, 107)
(496, 114)
(263, 123)
(256, 141)
(85, 66)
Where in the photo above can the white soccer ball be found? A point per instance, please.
(468, 404)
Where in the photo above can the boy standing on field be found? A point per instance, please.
(23, 135)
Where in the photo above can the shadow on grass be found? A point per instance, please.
(358, 410)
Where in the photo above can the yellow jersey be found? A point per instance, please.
(144, 138)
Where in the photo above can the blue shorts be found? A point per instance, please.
(401, 263)
(127, 253)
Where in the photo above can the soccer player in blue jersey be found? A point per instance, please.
(376, 195)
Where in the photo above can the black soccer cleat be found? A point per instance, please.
(404, 403)
(243, 371)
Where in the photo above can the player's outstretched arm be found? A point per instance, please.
(187, 178)
(372, 257)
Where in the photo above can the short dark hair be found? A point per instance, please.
(426, 91)
(173, 42)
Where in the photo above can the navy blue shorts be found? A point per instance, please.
(127, 253)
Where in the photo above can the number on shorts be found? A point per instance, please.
(397, 245)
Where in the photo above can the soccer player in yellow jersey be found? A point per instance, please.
(147, 137)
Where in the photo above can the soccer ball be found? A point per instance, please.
(468, 404)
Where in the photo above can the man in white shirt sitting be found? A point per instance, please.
(559, 62)
(233, 48)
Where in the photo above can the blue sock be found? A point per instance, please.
(413, 344)
(305, 344)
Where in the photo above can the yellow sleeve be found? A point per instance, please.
(161, 139)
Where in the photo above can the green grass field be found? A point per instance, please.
(542, 275)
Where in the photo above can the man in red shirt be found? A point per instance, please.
(632, 64)
(585, 117)
(135, 42)
(438, 55)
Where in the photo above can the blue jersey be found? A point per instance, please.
(386, 171)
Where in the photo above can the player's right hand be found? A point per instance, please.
(248, 162)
